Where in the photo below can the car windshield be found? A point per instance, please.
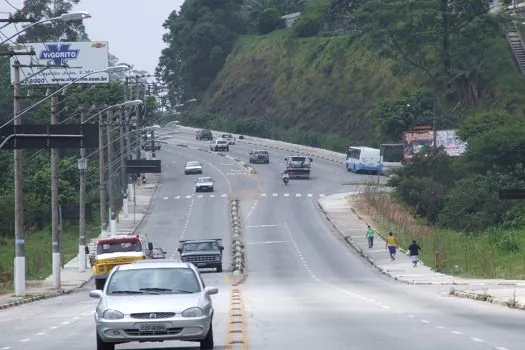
(191, 247)
(263, 153)
(113, 247)
(204, 179)
(153, 281)
(299, 159)
(193, 164)
(222, 141)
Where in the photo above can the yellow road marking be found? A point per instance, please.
(237, 321)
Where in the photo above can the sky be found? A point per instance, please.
(133, 28)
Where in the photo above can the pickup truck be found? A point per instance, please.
(298, 166)
(203, 253)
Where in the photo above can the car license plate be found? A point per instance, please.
(201, 264)
(152, 327)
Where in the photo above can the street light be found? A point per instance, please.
(20, 263)
(115, 69)
(66, 17)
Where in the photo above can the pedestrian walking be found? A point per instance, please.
(370, 236)
(413, 251)
(391, 245)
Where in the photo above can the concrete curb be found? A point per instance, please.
(487, 299)
(238, 257)
(43, 296)
(149, 208)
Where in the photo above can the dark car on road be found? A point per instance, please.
(203, 253)
(204, 134)
(259, 156)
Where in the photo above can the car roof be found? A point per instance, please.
(155, 263)
(260, 150)
(198, 241)
(193, 161)
(204, 178)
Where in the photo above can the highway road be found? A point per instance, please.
(305, 289)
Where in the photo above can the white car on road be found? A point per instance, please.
(154, 301)
(193, 167)
(204, 184)
(228, 137)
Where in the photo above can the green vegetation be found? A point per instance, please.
(36, 163)
(364, 71)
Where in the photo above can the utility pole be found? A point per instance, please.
(112, 214)
(139, 120)
(82, 165)
(55, 234)
(434, 123)
(101, 175)
(20, 259)
(122, 154)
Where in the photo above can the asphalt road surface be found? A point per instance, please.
(305, 289)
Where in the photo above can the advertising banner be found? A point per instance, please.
(413, 141)
(82, 58)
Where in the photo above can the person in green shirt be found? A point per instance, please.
(370, 236)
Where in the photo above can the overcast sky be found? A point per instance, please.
(133, 28)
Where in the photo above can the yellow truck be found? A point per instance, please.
(117, 250)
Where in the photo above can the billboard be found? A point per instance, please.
(82, 57)
(415, 140)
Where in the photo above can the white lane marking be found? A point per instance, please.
(263, 194)
(223, 195)
(188, 196)
(501, 348)
(6, 348)
(424, 321)
(212, 196)
(76, 318)
(310, 195)
(477, 340)
(261, 226)
(177, 197)
(287, 195)
(25, 340)
(456, 332)
(200, 196)
(41, 333)
(298, 195)
(275, 194)
(439, 327)
(65, 322)
(165, 198)
(250, 211)
(411, 316)
(53, 327)
(321, 195)
(267, 242)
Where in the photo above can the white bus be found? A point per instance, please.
(363, 160)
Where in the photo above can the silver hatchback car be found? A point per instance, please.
(154, 301)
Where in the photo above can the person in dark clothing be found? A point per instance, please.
(413, 251)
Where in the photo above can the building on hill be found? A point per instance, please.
(290, 18)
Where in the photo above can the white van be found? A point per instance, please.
(363, 159)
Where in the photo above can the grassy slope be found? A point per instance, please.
(328, 84)
(324, 84)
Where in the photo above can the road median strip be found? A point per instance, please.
(238, 258)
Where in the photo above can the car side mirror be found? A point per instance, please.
(211, 290)
(251, 153)
(285, 159)
(95, 294)
(86, 249)
(311, 160)
(221, 248)
(179, 250)
(150, 246)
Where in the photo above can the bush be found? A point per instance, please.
(269, 20)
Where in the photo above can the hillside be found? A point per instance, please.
(329, 85)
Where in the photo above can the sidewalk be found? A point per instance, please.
(347, 221)
(71, 278)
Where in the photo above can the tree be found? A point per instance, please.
(51, 31)
(268, 21)
(479, 123)
(439, 37)
(199, 39)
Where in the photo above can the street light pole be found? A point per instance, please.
(82, 165)
(112, 216)
(122, 154)
(102, 184)
(55, 234)
(20, 259)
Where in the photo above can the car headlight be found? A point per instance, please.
(193, 312)
(112, 315)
